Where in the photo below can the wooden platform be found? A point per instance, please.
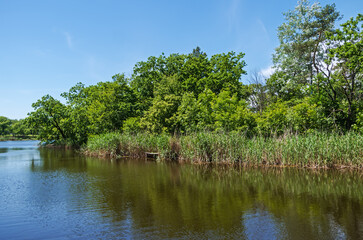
(150, 155)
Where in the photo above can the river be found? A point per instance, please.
(58, 194)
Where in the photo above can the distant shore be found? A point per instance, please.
(17, 138)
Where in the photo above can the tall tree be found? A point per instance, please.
(51, 119)
(301, 54)
(343, 81)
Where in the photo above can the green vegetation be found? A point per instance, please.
(15, 129)
(304, 150)
(317, 86)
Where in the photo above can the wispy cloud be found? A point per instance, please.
(234, 26)
(68, 38)
(267, 72)
(232, 15)
(263, 28)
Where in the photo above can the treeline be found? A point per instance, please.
(317, 85)
(14, 128)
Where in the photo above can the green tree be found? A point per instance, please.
(195, 114)
(301, 54)
(227, 70)
(100, 108)
(187, 116)
(229, 113)
(163, 86)
(343, 82)
(148, 73)
(77, 104)
(159, 117)
(5, 124)
(50, 118)
(20, 128)
(304, 116)
(274, 119)
(195, 71)
(205, 118)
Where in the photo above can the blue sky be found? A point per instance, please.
(46, 47)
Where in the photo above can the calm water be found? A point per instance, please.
(54, 194)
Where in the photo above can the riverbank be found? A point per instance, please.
(316, 150)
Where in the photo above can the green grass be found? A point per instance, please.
(308, 150)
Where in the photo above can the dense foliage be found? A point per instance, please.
(14, 128)
(317, 85)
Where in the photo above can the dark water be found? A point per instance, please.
(54, 194)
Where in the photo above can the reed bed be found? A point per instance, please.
(308, 150)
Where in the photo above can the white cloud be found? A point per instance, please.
(68, 39)
(267, 72)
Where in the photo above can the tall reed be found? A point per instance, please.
(314, 149)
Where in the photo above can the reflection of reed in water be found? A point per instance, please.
(206, 201)
(196, 198)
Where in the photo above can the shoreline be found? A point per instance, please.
(17, 139)
(313, 151)
(228, 164)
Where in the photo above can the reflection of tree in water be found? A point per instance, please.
(196, 199)
(3, 150)
(55, 159)
(203, 201)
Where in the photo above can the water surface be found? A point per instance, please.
(56, 194)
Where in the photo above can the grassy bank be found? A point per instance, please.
(309, 150)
